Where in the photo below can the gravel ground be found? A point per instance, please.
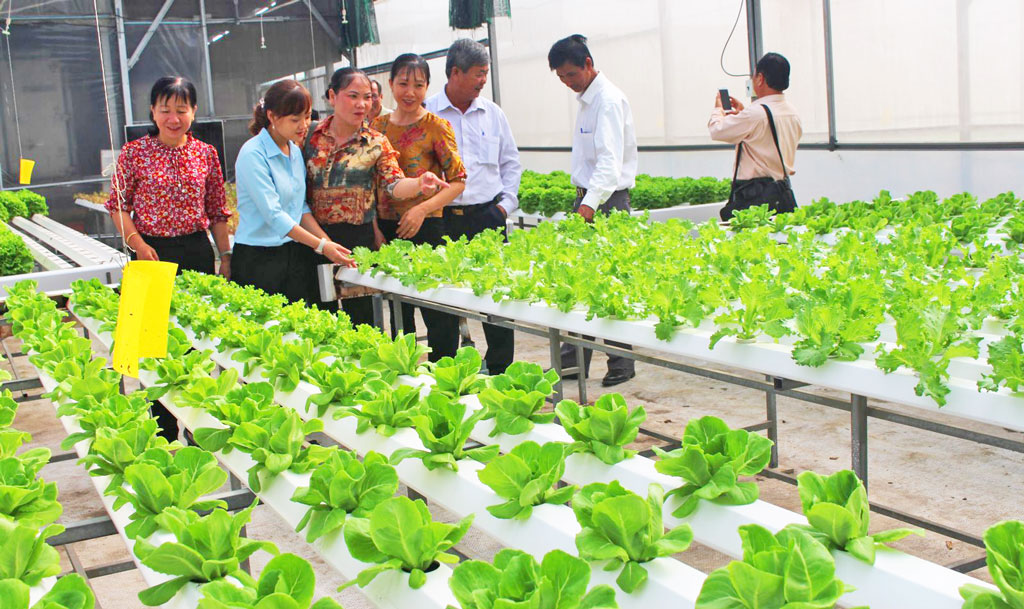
(954, 482)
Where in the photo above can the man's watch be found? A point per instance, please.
(320, 246)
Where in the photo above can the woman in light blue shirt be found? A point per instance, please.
(277, 236)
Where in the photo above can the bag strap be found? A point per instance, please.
(775, 137)
(736, 166)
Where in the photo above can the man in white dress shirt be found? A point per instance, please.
(491, 157)
(604, 159)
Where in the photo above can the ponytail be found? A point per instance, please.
(284, 98)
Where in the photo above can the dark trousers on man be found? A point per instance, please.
(616, 363)
(470, 220)
(442, 328)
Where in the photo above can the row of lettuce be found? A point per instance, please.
(355, 499)
(15, 257)
(164, 483)
(551, 193)
(777, 281)
(28, 513)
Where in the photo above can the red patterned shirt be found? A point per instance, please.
(170, 192)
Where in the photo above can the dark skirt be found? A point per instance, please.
(192, 252)
(289, 270)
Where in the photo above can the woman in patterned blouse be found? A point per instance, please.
(168, 188)
(425, 142)
(346, 162)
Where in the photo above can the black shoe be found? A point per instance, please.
(617, 377)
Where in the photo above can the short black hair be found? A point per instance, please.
(169, 88)
(572, 49)
(411, 62)
(775, 69)
(380, 90)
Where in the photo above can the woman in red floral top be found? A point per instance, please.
(168, 188)
(425, 142)
(346, 162)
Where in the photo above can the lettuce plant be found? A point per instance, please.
(625, 529)
(340, 382)
(603, 429)
(24, 554)
(459, 375)
(208, 548)
(441, 426)
(401, 534)
(527, 476)
(117, 412)
(762, 308)
(343, 486)
(278, 442)
(402, 356)
(1004, 554)
(516, 579)
(286, 582)
(256, 350)
(383, 407)
(837, 509)
(710, 462)
(787, 570)
(286, 363)
(514, 411)
(165, 481)
(8, 408)
(525, 376)
(179, 368)
(24, 497)
(112, 450)
(70, 592)
(1006, 356)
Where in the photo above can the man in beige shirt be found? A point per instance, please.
(762, 170)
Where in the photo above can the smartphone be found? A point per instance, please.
(726, 104)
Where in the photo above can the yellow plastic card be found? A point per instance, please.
(143, 313)
(27, 165)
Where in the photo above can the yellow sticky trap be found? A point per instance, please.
(27, 165)
(143, 313)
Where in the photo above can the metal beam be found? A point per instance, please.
(207, 72)
(492, 46)
(755, 35)
(122, 50)
(335, 38)
(830, 84)
(149, 33)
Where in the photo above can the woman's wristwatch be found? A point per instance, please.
(226, 252)
(320, 246)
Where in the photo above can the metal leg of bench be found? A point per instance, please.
(556, 361)
(859, 436)
(772, 414)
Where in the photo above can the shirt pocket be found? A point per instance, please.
(587, 145)
(490, 147)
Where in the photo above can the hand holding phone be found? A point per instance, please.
(723, 94)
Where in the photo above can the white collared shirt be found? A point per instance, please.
(604, 153)
(487, 148)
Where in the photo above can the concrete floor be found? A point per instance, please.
(954, 482)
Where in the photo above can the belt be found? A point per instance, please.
(581, 192)
(469, 210)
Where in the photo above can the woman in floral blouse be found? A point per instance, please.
(346, 163)
(167, 189)
(425, 142)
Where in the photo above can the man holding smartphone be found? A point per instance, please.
(604, 160)
(766, 135)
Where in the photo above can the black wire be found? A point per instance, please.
(721, 58)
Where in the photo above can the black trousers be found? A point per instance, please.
(471, 220)
(618, 201)
(350, 236)
(289, 270)
(192, 252)
(442, 328)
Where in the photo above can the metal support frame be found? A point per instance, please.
(76, 564)
(772, 414)
(149, 31)
(122, 50)
(830, 88)
(335, 38)
(859, 437)
(492, 46)
(207, 71)
(755, 34)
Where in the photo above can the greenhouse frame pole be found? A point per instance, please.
(492, 46)
(149, 32)
(122, 50)
(755, 35)
(207, 72)
(830, 91)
